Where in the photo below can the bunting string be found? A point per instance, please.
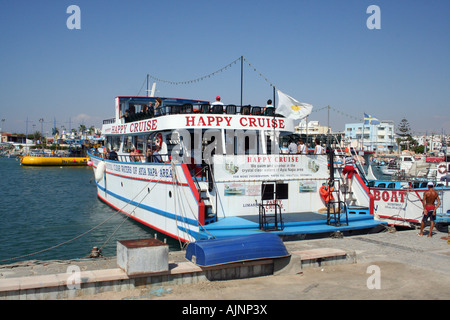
(260, 74)
(197, 79)
(255, 70)
(339, 112)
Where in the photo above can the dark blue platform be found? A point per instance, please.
(234, 249)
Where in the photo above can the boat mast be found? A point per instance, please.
(242, 75)
(152, 92)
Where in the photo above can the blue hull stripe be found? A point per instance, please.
(165, 214)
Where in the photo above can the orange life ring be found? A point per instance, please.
(442, 168)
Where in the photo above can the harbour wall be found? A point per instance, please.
(103, 279)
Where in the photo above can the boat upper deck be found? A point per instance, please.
(137, 115)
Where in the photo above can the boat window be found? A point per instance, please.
(282, 191)
(391, 185)
(273, 190)
(271, 145)
(382, 185)
(112, 142)
(128, 144)
(267, 191)
(244, 142)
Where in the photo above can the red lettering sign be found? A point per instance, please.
(389, 195)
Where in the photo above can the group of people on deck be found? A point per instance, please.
(157, 109)
(300, 147)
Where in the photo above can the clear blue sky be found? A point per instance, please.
(319, 52)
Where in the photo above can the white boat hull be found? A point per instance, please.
(403, 207)
(156, 195)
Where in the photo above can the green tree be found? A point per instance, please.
(405, 140)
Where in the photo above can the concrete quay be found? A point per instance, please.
(317, 269)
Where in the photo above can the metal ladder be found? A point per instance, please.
(333, 211)
(269, 222)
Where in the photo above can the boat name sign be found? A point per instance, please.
(199, 121)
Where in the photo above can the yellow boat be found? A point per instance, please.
(53, 161)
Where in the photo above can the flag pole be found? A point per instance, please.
(242, 75)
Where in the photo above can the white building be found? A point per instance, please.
(380, 137)
(433, 142)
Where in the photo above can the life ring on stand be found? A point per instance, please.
(442, 168)
(158, 139)
(100, 172)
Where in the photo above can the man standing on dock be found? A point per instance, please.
(429, 198)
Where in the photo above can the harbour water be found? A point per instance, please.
(55, 211)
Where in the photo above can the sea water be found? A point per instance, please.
(56, 211)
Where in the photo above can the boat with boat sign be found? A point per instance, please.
(398, 198)
(399, 203)
(197, 171)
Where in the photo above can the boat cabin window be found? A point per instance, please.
(112, 142)
(273, 190)
(242, 142)
(391, 185)
(382, 185)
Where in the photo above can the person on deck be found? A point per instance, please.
(349, 168)
(218, 102)
(302, 147)
(292, 147)
(113, 155)
(319, 149)
(158, 107)
(268, 106)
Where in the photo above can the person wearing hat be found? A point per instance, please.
(430, 203)
(218, 102)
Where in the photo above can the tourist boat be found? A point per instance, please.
(196, 171)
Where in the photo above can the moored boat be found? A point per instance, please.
(195, 170)
(53, 161)
(399, 203)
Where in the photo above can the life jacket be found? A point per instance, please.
(326, 194)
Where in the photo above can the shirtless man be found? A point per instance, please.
(429, 198)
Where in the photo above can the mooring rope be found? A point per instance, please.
(83, 234)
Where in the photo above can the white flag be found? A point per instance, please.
(291, 108)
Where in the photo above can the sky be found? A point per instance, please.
(319, 52)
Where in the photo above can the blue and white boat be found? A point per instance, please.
(197, 171)
(399, 203)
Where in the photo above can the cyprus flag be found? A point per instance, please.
(291, 108)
